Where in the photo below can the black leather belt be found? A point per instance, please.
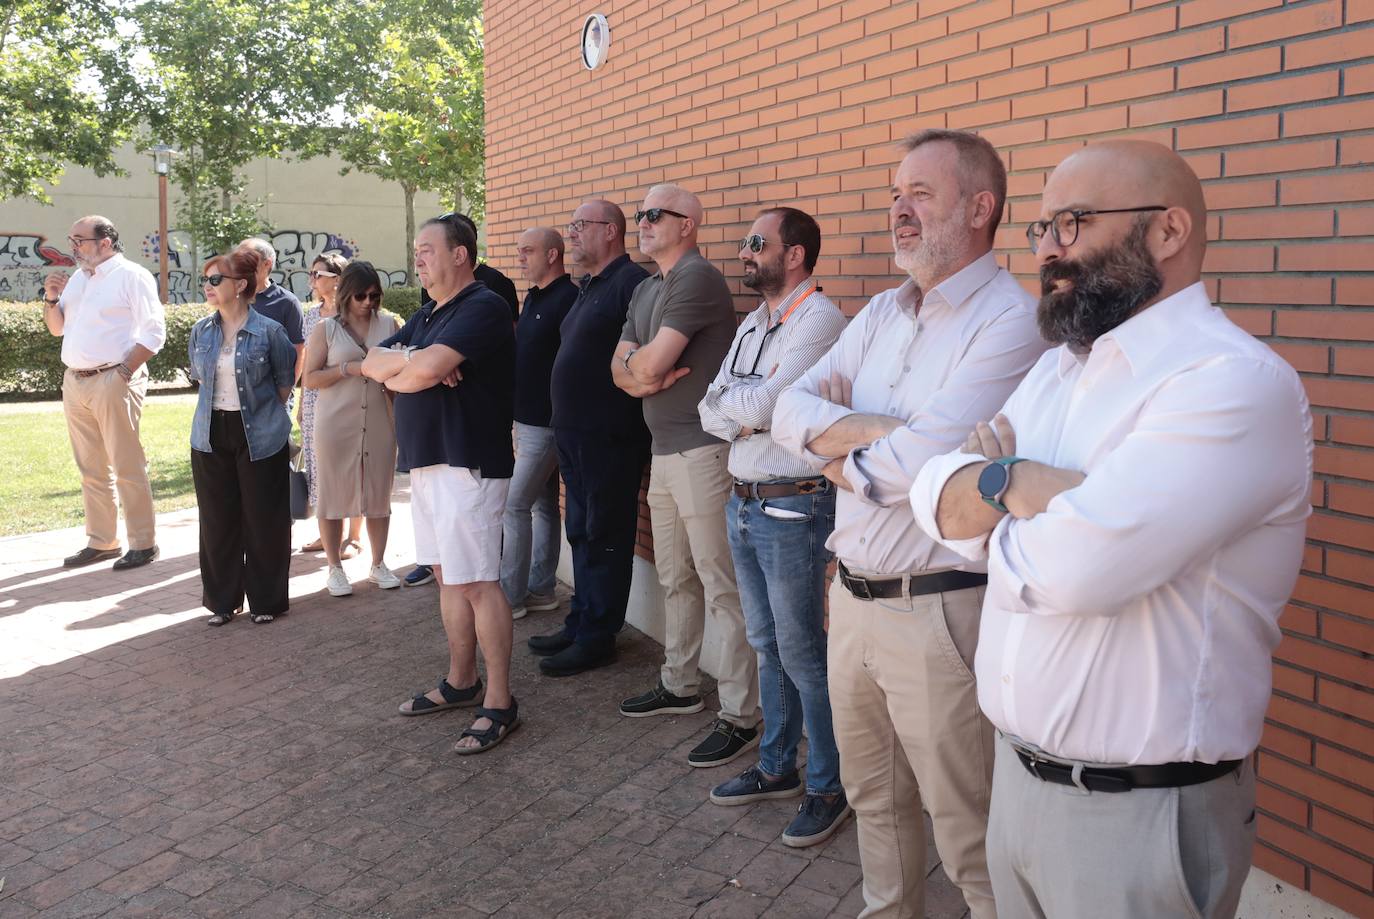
(917, 585)
(782, 489)
(1124, 778)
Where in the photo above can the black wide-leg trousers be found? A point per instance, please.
(245, 522)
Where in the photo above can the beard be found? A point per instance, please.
(941, 248)
(765, 277)
(1107, 288)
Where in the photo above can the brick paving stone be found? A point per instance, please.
(154, 767)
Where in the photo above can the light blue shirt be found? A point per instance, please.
(264, 364)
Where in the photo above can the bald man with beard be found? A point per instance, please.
(679, 329)
(1141, 504)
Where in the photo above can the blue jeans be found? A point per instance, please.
(780, 569)
(533, 491)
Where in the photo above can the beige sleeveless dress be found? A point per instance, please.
(355, 431)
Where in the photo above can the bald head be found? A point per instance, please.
(676, 198)
(675, 233)
(540, 251)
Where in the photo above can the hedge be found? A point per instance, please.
(31, 357)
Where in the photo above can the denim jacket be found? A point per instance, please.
(265, 362)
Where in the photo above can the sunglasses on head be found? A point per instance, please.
(317, 274)
(655, 214)
(373, 296)
(214, 280)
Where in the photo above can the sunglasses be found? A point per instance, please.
(316, 275)
(754, 242)
(214, 280)
(374, 296)
(655, 214)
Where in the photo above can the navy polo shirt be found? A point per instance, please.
(467, 425)
(584, 398)
(536, 346)
(276, 302)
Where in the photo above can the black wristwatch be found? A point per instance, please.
(995, 479)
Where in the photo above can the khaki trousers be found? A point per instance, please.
(1059, 852)
(103, 413)
(910, 733)
(687, 496)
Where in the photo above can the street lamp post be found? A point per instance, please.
(162, 164)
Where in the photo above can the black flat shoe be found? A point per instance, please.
(135, 558)
(89, 556)
(544, 645)
(577, 659)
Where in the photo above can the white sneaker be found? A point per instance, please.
(337, 583)
(518, 612)
(540, 603)
(383, 577)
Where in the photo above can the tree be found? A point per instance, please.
(417, 120)
(65, 84)
(231, 81)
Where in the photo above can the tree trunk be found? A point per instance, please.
(410, 233)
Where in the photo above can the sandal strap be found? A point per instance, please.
(452, 695)
(499, 716)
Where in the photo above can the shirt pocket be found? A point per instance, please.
(257, 365)
(202, 362)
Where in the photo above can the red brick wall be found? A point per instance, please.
(760, 103)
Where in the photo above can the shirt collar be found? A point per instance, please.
(1149, 332)
(955, 290)
(611, 268)
(110, 264)
(535, 289)
(688, 256)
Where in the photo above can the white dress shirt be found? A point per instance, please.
(1132, 622)
(779, 346)
(106, 313)
(943, 362)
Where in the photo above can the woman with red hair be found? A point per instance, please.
(246, 367)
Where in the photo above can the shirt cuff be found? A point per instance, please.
(827, 413)
(152, 344)
(925, 501)
(857, 478)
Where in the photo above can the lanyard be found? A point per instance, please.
(806, 292)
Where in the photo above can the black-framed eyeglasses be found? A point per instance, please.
(78, 240)
(214, 280)
(1064, 224)
(316, 275)
(580, 224)
(655, 214)
(753, 373)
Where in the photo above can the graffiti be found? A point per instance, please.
(25, 258)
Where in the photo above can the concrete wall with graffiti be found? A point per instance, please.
(311, 208)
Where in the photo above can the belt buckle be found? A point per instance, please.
(852, 583)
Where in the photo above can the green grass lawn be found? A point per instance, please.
(40, 488)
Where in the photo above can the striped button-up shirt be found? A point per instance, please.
(772, 349)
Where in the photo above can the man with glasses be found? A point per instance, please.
(276, 302)
(532, 537)
(602, 445)
(679, 329)
(907, 381)
(452, 366)
(1140, 504)
(779, 517)
(111, 324)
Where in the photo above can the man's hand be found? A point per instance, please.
(837, 389)
(994, 440)
(54, 284)
(745, 432)
(834, 471)
(454, 377)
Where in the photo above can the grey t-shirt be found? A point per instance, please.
(695, 300)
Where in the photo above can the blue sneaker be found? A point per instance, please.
(817, 819)
(752, 785)
(419, 575)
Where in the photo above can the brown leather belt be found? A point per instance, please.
(782, 489)
(97, 370)
(916, 585)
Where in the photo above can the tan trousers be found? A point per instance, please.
(910, 733)
(103, 413)
(687, 496)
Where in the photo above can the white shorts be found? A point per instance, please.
(457, 516)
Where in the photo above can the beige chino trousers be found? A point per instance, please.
(687, 495)
(910, 734)
(103, 414)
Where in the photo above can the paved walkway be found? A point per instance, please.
(151, 766)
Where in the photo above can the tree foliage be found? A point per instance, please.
(64, 91)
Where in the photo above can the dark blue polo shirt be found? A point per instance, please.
(584, 398)
(276, 302)
(467, 425)
(536, 346)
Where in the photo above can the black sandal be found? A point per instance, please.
(503, 721)
(219, 619)
(261, 618)
(453, 698)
